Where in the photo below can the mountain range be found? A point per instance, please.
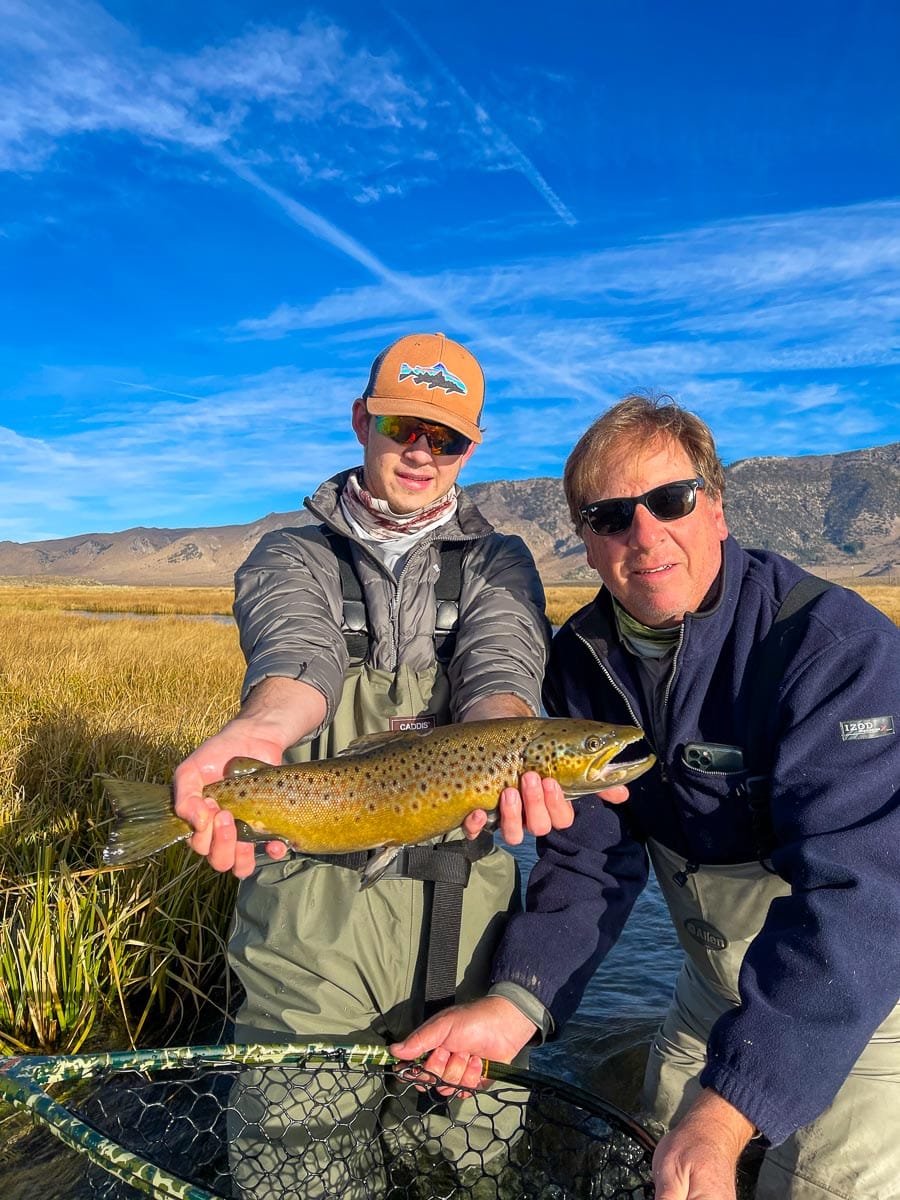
(835, 514)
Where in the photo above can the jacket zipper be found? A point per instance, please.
(681, 877)
(615, 686)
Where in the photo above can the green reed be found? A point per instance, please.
(92, 955)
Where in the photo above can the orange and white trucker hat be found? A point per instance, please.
(430, 376)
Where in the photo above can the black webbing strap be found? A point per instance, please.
(355, 626)
(773, 656)
(355, 623)
(446, 872)
(445, 867)
(354, 861)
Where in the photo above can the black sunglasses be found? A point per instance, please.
(667, 502)
(407, 430)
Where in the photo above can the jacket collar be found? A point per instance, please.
(596, 621)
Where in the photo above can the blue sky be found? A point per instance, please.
(212, 217)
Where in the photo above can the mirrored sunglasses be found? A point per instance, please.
(668, 502)
(405, 431)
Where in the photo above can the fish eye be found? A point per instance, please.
(593, 743)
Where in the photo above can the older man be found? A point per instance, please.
(781, 867)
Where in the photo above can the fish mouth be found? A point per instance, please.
(613, 773)
(607, 770)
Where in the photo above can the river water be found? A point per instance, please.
(604, 1045)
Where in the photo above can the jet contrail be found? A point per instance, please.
(518, 159)
(327, 232)
(147, 387)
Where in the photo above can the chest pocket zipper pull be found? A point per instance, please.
(681, 877)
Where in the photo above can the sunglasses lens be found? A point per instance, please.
(671, 501)
(407, 430)
(609, 516)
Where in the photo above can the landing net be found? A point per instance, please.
(310, 1122)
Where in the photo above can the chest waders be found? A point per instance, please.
(319, 958)
(717, 911)
(848, 1151)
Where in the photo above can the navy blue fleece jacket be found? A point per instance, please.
(824, 970)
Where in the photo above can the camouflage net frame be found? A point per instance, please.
(195, 1123)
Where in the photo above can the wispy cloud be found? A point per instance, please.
(801, 291)
(271, 95)
(148, 461)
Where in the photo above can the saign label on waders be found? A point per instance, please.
(707, 935)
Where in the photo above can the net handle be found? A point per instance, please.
(24, 1078)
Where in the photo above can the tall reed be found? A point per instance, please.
(88, 952)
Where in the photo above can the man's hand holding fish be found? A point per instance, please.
(276, 713)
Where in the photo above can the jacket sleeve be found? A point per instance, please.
(288, 609)
(580, 892)
(503, 634)
(824, 971)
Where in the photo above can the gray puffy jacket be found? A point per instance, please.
(288, 606)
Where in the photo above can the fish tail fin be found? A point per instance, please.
(145, 822)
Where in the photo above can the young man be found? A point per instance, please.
(785, 1023)
(316, 956)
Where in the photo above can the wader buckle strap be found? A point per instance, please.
(448, 860)
(355, 619)
(445, 868)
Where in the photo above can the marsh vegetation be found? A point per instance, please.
(94, 956)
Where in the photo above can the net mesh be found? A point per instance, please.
(359, 1132)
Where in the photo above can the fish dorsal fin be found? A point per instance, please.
(377, 741)
(235, 767)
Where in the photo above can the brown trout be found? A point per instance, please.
(386, 790)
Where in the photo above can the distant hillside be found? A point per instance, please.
(836, 511)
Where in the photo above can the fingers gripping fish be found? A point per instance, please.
(384, 791)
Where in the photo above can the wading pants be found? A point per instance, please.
(852, 1150)
(320, 959)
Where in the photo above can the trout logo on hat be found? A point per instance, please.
(435, 376)
(430, 376)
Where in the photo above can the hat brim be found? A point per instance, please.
(386, 407)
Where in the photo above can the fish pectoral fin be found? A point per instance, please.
(235, 767)
(246, 833)
(376, 867)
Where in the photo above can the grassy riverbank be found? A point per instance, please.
(563, 600)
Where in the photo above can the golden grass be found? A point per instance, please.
(61, 596)
(81, 945)
(565, 599)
